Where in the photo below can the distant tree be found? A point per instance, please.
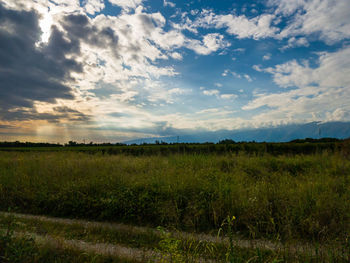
(226, 141)
(72, 143)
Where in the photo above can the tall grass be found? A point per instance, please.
(280, 197)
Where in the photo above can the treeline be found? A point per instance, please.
(311, 140)
(73, 143)
(305, 146)
(29, 144)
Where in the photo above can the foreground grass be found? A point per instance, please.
(44, 239)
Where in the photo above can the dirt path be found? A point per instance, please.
(242, 243)
(104, 249)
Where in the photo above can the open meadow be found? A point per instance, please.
(171, 207)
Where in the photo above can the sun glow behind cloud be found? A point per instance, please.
(45, 25)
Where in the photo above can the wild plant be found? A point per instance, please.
(12, 248)
(227, 228)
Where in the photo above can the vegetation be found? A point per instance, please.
(290, 198)
(144, 244)
(306, 146)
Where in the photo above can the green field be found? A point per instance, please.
(290, 199)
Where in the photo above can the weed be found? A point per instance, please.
(15, 249)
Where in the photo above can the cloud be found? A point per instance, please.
(267, 56)
(257, 68)
(228, 96)
(126, 4)
(177, 91)
(28, 72)
(314, 93)
(296, 42)
(236, 75)
(185, 24)
(211, 92)
(240, 26)
(93, 6)
(210, 43)
(215, 92)
(176, 55)
(247, 77)
(332, 71)
(239, 50)
(329, 19)
(168, 3)
(225, 73)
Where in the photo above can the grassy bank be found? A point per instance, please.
(279, 197)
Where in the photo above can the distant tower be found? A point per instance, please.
(177, 139)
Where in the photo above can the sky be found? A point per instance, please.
(115, 70)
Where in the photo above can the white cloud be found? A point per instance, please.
(240, 26)
(296, 42)
(93, 6)
(126, 4)
(333, 71)
(211, 110)
(211, 92)
(210, 43)
(194, 12)
(257, 68)
(236, 75)
(286, 7)
(225, 73)
(239, 50)
(328, 18)
(215, 92)
(176, 55)
(247, 77)
(178, 91)
(168, 3)
(320, 93)
(267, 56)
(186, 24)
(228, 96)
(125, 96)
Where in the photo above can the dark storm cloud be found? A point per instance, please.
(31, 114)
(4, 126)
(78, 27)
(28, 114)
(71, 114)
(29, 72)
(40, 72)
